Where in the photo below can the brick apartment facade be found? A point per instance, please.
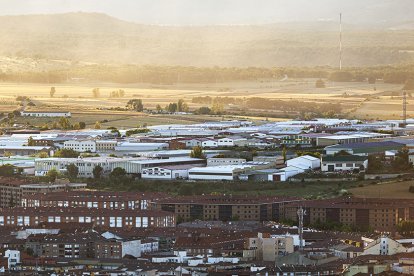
(224, 208)
(92, 199)
(373, 213)
(105, 218)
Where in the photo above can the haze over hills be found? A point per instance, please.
(96, 37)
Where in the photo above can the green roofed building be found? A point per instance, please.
(364, 149)
(338, 163)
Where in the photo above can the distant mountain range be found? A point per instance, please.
(94, 37)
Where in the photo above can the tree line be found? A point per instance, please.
(181, 74)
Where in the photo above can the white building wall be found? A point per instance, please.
(161, 173)
(303, 162)
(132, 248)
(80, 146)
(209, 144)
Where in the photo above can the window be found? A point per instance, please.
(138, 222)
(145, 222)
(112, 222)
(119, 222)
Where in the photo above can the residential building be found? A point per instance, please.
(224, 208)
(269, 248)
(92, 200)
(105, 218)
(384, 246)
(13, 258)
(12, 192)
(361, 213)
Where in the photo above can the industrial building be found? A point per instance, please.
(229, 172)
(50, 114)
(332, 163)
(138, 165)
(364, 149)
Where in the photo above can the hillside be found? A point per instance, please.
(94, 37)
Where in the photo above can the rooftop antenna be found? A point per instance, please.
(340, 41)
(404, 109)
(301, 212)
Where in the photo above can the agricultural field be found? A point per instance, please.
(392, 189)
(358, 100)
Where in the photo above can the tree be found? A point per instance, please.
(65, 123)
(82, 125)
(97, 125)
(66, 153)
(52, 91)
(52, 174)
(341, 76)
(135, 104)
(197, 152)
(158, 108)
(284, 154)
(172, 107)
(7, 170)
(97, 171)
(217, 106)
(375, 163)
(203, 110)
(118, 172)
(76, 126)
(72, 171)
(7, 154)
(182, 106)
(115, 131)
(30, 141)
(401, 161)
(42, 154)
(320, 83)
(96, 93)
(405, 228)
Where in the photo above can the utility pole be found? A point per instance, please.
(404, 109)
(340, 41)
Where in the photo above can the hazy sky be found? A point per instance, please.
(218, 11)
